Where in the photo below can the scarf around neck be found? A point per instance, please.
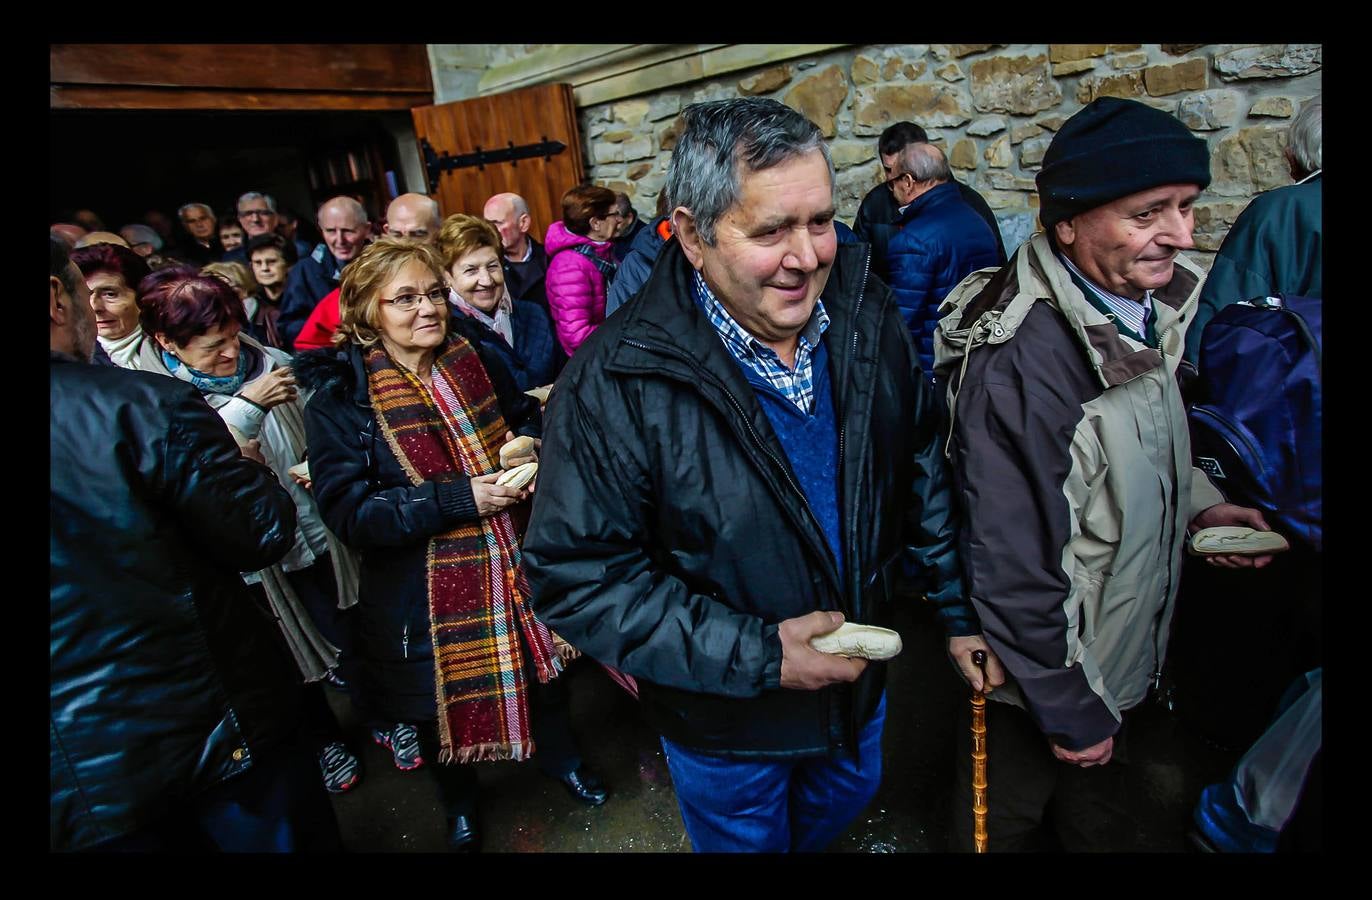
(125, 349)
(500, 323)
(212, 384)
(479, 607)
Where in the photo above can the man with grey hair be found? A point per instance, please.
(346, 229)
(1276, 246)
(257, 214)
(939, 241)
(736, 462)
(200, 223)
(524, 259)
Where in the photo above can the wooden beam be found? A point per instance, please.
(330, 68)
(123, 97)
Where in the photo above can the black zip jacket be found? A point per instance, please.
(670, 536)
(369, 502)
(166, 676)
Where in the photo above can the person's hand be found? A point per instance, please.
(302, 481)
(804, 668)
(491, 498)
(253, 450)
(531, 456)
(1231, 514)
(1095, 755)
(272, 389)
(960, 649)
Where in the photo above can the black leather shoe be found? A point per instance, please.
(585, 787)
(462, 835)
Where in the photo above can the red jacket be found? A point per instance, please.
(317, 332)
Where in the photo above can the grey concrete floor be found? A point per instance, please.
(524, 811)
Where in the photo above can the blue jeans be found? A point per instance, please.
(732, 805)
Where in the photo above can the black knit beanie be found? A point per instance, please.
(1113, 148)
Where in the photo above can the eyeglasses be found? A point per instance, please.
(406, 302)
(891, 182)
(255, 213)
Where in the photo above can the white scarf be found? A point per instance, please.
(499, 323)
(124, 351)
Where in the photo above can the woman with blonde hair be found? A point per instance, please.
(518, 331)
(406, 419)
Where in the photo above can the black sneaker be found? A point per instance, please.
(340, 768)
(403, 742)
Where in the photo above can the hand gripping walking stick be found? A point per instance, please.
(979, 757)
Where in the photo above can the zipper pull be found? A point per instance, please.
(405, 641)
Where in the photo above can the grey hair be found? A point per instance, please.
(1306, 138)
(255, 195)
(141, 234)
(925, 162)
(185, 207)
(721, 137)
(518, 205)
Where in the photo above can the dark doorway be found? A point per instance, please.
(123, 163)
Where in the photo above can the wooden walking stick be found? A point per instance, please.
(979, 757)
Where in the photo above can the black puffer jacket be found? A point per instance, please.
(669, 535)
(369, 502)
(166, 676)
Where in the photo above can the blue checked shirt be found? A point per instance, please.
(796, 386)
(1132, 314)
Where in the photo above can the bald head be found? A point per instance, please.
(925, 163)
(101, 237)
(344, 224)
(413, 216)
(67, 232)
(510, 216)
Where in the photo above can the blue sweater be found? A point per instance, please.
(811, 445)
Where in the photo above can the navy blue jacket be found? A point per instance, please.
(939, 242)
(536, 357)
(310, 279)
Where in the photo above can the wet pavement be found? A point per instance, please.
(523, 810)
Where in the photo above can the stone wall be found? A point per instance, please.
(993, 108)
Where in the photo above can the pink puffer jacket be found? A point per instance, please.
(576, 289)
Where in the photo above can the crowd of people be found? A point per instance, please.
(280, 464)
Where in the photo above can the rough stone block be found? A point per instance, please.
(663, 106)
(931, 105)
(1123, 48)
(865, 70)
(638, 170)
(1021, 133)
(1210, 110)
(1009, 181)
(1249, 161)
(1269, 61)
(847, 154)
(1031, 152)
(766, 81)
(1275, 107)
(638, 148)
(603, 153)
(617, 137)
(950, 72)
(819, 97)
(911, 71)
(666, 136)
(890, 67)
(999, 155)
(1183, 76)
(1180, 49)
(1127, 84)
(986, 125)
(631, 112)
(1052, 123)
(1071, 52)
(1129, 61)
(1013, 84)
(964, 155)
(1072, 67)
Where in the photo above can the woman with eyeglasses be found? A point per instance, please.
(405, 421)
(193, 323)
(518, 331)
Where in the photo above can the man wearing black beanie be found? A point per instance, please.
(1073, 462)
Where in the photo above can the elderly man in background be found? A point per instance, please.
(525, 260)
(346, 229)
(724, 478)
(68, 232)
(257, 215)
(939, 241)
(202, 227)
(413, 216)
(1074, 469)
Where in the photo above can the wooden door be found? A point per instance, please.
(518, 118)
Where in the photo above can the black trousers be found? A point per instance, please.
(555, 748)
(1032, 796)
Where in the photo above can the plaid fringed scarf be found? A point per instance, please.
(478, 595)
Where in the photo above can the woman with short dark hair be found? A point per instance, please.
(581, 262)
(112, 275)
(195, 323)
